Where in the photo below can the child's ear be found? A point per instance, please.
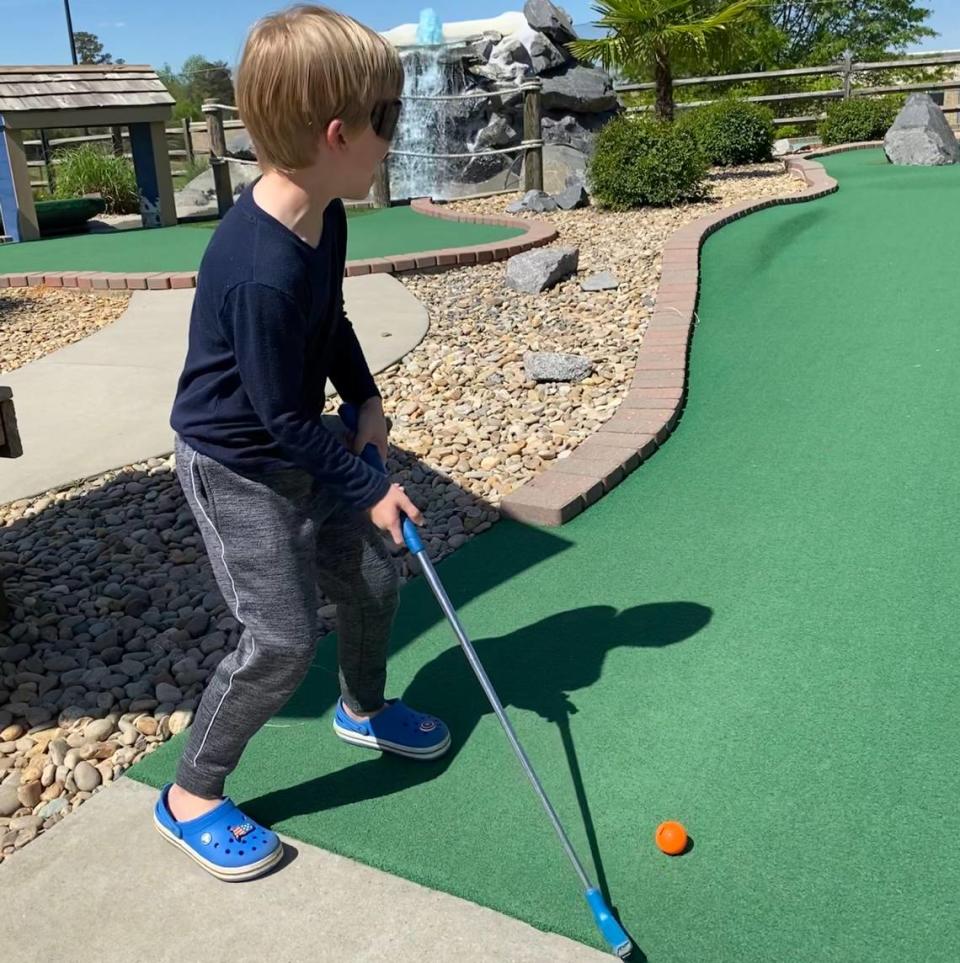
(334, 135)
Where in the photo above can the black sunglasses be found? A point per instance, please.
(385, 117)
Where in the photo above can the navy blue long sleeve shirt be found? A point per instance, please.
(268, 329)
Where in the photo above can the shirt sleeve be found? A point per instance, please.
(269, 337)
(349, 371)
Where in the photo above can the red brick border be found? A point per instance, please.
(655, 400)
(535, 234)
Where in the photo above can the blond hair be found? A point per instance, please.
(303, 67)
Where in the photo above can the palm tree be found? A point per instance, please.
(655, 36)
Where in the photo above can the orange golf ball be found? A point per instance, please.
(671, 838)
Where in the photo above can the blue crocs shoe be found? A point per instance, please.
(398, 728)
(223, 841)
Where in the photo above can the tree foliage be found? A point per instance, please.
(660, 37)
(818, 32)
(197, 80)
(90, 49)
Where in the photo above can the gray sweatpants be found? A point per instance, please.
(273, 541)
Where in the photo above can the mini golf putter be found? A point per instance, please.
(609, 927)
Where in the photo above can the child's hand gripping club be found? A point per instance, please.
(394, 513)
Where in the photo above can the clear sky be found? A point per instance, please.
(158, 31)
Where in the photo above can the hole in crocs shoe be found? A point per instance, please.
(227, 851)
(254, 848)
(216, 845)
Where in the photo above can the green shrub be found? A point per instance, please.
(732, 131)
(641, 162)
(859, 119)
(89, 170)
(787, 132)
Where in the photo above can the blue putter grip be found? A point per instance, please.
(349, 416)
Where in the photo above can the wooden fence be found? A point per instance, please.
(846, 71)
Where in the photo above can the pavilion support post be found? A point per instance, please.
(17, 207)
(154, 182)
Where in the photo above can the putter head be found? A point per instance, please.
(612, 931)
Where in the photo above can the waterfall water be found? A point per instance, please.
(423, 127)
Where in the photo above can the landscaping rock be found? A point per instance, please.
(544, 53)
(511, 59)
(562, 128)
(580, 89)
(86, 777)
(549, 20)
(29, 795)
(604, 281)
(53, 807)
(552, 366)
(572, 197)
(98, 730)
(179, 720)
(921, 135)
(536, 271)
(499, 132)
(537, 201)
(9, 800)
(239, 144)
(168, 693)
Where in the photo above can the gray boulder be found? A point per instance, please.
(537, 201)
(578, 131)
(921, 135)
(579, 89)
(484, 167)
(548, 366)
(240, 176)
(550, 19)
(512, 58)
(240, 145)
(560, 164)
(571, 197)
(535, 271)
(604, 281)
(544, 53)
(497, 133)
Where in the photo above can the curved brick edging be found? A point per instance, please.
(535, 234)
(655, 400)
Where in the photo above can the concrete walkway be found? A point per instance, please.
(104, 402)
(113, 890)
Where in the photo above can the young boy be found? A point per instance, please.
(282, 505)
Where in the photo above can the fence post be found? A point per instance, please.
(116, 138)
(188, 141)
(532, 131)
(381, 184)
(847, 74)
(218, 148)
(47, 159)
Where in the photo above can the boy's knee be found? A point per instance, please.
(382, 584)
(289, 656)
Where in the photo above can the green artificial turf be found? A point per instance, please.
(754, 634)
(395, 230)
